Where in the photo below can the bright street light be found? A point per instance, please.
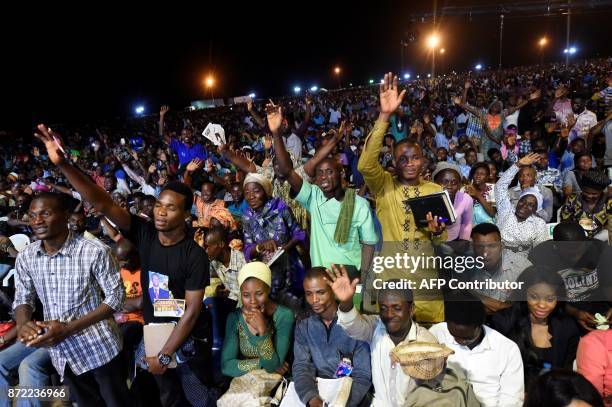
(337, 70)
(371, 81)
(442, 50)
(433, 41)
(139, 109)
(210, 81)
(314, 88)
(429, 75)
(406, 76)
(297, 89)
(478, 67)
(543, 41)
(252, 95)
(572, 50)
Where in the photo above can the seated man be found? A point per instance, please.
(383, 332)
(584, 265)
(500, 265)
(323, 349)
(225, 263)
(491, 362)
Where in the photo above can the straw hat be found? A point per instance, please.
(421, 360)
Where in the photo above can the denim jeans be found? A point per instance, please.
(33, 365)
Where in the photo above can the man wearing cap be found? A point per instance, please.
(520, 228)
(391, 327)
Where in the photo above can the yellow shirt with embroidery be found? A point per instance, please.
(399, 227)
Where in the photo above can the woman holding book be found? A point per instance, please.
(448, 175)
(269, 226)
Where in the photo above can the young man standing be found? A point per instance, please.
(70, 275)
(166, 251)
(323, 349)
(342, 229)
(398, 223)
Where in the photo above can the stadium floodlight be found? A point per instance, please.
(297, 89)
(478, 67)
(140, 109)
(406, 76)
(314, 88)
(382, 81)
(371, 81)
(572, 50)
(429, 75)
(252, 95)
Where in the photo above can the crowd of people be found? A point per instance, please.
(262, 245)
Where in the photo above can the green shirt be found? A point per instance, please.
(243, 352)
(324, 213)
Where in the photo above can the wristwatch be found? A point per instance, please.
(163, 359)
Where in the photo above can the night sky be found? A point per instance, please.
(103, 62)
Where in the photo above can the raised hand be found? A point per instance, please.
(275, 116)
(339, 281)
(163, 110)
(457, 100)
(434, 224)
(35, 152)
(468, 84)
(529, 159)
(535, 95)
(194, 165)
(571, 120)
(53, 144)
(390, 99)
(249, 104)
(152, 168)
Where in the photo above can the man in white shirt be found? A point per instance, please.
(491, 362)
(581, 120)
(334, 115)
(382, 332)
(293, 143)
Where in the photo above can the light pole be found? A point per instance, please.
(433, 42)
(210, 82)
(542, 43)
(337, 72)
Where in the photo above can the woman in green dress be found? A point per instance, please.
(257, 335)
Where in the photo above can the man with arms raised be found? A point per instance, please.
(166, 251)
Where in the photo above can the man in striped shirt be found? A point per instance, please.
(71, 276)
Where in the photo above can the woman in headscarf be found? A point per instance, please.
(591, 208)
(269, 225)
(257, 335)
(519, 226)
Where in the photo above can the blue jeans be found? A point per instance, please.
(33, 365)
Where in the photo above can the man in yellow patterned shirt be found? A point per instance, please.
(400, 231)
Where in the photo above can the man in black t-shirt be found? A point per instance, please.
(585, 266)
(166, 250)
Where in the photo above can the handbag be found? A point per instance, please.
(252, 389)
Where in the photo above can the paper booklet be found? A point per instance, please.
(277, 254)
(215, 133)
(155, 337)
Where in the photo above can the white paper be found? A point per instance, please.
(215, 133)
(277, 254)
(328, 388)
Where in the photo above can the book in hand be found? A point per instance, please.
(438, 203)
(155, 337)
(279, 252)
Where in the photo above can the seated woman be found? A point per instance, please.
(537, 324)
(572, 178)
(520, 227)
(268, 226)
(591, 208)
(594, 361)
(257, 335)
(449, 177)
(482, 193)
(527, 178)
(562, 388)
